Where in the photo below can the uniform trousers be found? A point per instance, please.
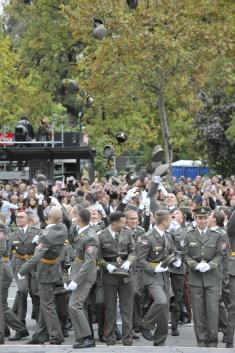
(124, 290)
(2, 331)
(48, 322)
(177, 284)
(158, 312)
(231, 311)
(78, 311)
(10, 318)
(205, 304)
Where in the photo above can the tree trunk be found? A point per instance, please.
(165, 132)
(164, 126)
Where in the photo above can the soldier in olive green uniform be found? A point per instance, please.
(231, 272)
(137, 232)
(49, 273)
(23, 247)
(177, 274)
(11, 320)
(156, 246)
(2, 250)
(203, 254)
(83, 276)
(117, 250)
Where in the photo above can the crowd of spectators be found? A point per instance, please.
(207, 191)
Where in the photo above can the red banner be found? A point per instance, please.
(6, 137)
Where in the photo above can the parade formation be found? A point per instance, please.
(167, 258)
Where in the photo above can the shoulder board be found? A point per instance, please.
(216, 231)
(140, 228)
(101, 231)
(125, 227)
(190, 231)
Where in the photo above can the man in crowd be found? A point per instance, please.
(83, 276)
(117, 251)
(46, 259)
(23, 246)
(203, 253)
(155, 247)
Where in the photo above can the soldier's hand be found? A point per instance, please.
(162, 189)
(177, 263)
(131, 193)
(126, 265)
(20, 277)
(111, 268)
(159, 268)
(203, 267)
(55, 202)
(72, 285)
(35, 239)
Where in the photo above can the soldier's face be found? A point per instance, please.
(22, 219)
(132, 220)
(202, 222)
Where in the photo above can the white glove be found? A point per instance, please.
(72, 285)
(131, 193)
(159, 268)
(126, 265)
(65, 286)
(111, 268)
(157, 179)
(100, 208)
(19, 276)
(203, 267)
(25, 195)
(69, 270)
(162, 189)
(35, 239)
(177, 263)
(55, 201)
(40, 198)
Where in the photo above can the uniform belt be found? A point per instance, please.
(232, 253)
(78, 259)
(115, 259)
(153, 264)
(6, 258)
(49, 261)
(24, 257)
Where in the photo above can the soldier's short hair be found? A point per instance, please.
(116, 216)
(219, 217)
(161, 216)
(84, 215)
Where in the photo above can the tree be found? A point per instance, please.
(153, 61)
(213, 123)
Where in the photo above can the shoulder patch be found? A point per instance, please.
(144, 241)
(2, 235)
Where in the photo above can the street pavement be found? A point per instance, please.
(185, 343)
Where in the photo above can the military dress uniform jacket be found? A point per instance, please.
(22, 247)
(86, 248)
(207, 248)
(231, 236)
(116, 252)
(178, 236)
(153, 249)
(47, 254)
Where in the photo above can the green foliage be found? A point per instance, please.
(162, 47)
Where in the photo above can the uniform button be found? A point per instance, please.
(202, 247)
